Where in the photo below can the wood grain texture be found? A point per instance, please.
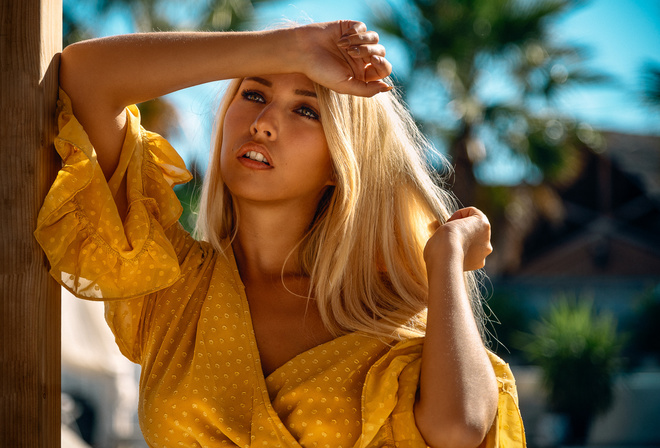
(30, 41)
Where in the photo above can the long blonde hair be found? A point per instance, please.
(364, 249)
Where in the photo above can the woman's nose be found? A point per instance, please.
(265, 124)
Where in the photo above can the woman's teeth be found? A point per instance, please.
(254, 155)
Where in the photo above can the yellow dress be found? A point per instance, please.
(178, 308)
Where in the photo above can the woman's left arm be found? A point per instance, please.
(458, 391)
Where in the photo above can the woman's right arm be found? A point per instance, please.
(103, 76)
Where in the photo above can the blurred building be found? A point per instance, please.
(605, 246)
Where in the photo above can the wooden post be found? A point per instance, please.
(30, 40)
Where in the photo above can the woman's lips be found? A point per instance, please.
(255, 156)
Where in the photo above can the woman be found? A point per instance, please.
(326, 305)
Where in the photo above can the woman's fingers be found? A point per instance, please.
(369, 69)
(365, 52)
(367, 56)
(344, 56)
(478, 245)
(357, 87)
(359, 39)
(467, 211)
(350, 28)
(379, 68)
(472, 231)
(368, 62)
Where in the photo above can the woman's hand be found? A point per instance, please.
(466, 234)
(343, 56)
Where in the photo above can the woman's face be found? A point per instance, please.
(273, 145)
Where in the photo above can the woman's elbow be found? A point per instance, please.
(81, 70)
(459, 432)
(73, 72)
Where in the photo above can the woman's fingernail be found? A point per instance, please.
(344, 42)
(354, 51)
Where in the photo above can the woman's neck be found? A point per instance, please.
(266, 242)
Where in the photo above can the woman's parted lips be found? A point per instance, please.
(256, 147)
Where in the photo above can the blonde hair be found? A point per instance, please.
(364, 249)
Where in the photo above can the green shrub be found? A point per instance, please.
(578, 353)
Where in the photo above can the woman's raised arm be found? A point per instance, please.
(103, 76)
(458, 389)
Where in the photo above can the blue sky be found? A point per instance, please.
(623, 36)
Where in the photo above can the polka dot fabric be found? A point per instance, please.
(92, 252)
(178, 308)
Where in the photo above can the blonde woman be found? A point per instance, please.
(330, 299)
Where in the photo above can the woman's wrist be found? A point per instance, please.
(289, 50)
(273, 52)
(443, 250)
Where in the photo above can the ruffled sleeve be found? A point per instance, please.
(92, 252)
(389, 396)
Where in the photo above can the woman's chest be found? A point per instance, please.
(284, 325)
(203, 379)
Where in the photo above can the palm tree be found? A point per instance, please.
(498, 68)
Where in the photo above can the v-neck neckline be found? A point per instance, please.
(256, 356)
(245, 303)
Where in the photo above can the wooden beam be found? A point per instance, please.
(30, 40)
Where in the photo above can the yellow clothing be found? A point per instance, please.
(178, 308)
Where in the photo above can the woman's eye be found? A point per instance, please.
(251, 95)
(307, 113)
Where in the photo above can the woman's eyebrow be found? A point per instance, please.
(305, 93)
(260, 81)
(267, 83)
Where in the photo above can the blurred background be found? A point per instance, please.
(549, 112)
